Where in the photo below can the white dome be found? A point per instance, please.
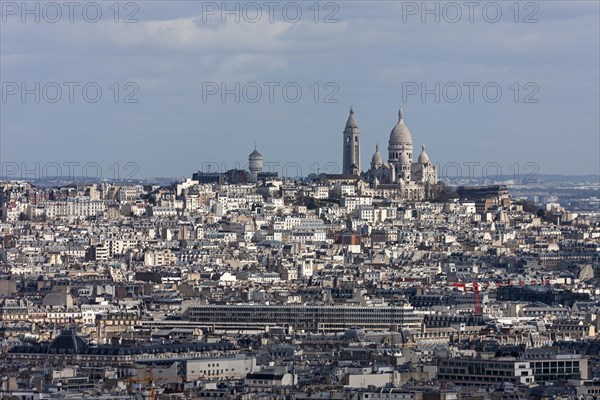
(400, 133)
(404, 158)
(423, 157)
(255, 155)
(377, 158)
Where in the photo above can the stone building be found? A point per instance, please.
(410, 180)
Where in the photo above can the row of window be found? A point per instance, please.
(472, 378)
(397, 155)
(546, 364)
(493, 372)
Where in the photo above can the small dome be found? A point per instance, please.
(423, 157)
(404, 158)
(377, 158)
(351, 123)
(400, 133)
(255, 155)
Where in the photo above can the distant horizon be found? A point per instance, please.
(85, 180)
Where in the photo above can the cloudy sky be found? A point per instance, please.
(516, 87)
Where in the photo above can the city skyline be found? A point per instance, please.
(358, 200)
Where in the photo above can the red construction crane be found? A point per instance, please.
(475, 286)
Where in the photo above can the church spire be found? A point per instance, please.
(351, 158)
(400, 116)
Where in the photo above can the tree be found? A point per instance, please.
(529, 207)
(444, 193)
(541, 213)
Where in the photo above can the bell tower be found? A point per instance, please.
(351, 157)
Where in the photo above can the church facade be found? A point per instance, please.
(400, 176)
